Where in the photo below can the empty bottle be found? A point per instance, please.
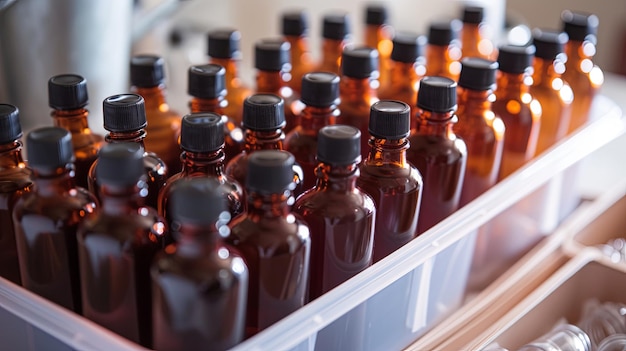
(207, 86)
(202, 141)
(117, 246)
(443, 50)
(295, 30)
(335, 38)
(274, 243)
(15, 178)
(47, 219)
(519, 110)
(68, 97)
(125, 119)
(436, 151)
(378, 34)
(480, 128)
(394, 184)
(475, 40)
(199, 284)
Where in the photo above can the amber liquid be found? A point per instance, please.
(441, 158)
(199, 290)
(46, 222)
(116, 249)
(404, 83)
(521, 115)
(379, 38)
(301, 61)
(163, 128)
(396, 188)
(237, 90)
(483, 134)
(273, 83)
(331, 56)
(443, 61)
(357, 96)
(474, 44)
(276, 247)
(85, 143)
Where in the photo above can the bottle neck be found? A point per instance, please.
(354, 90)
(315, 118)
(136, 136)
(54, 182)
(11, 156)
(216, 105)
(405, 75)
(76, 121)
(264, 140)
(194, 240)
(435, 123)
(270, 82)
(299, 48)
(580, 55)
(387, 152)
(262, 206)
(232, 71)
(154, 97)
(117, 200)
(475, 101)
(331, 53)
(546, 70)
(208, 163)
(336, 178)
(512, 84)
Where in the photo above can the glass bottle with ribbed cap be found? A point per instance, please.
(202, 142)
(263, 122)
(118, 245)
(358, 89)
(206, 85)
(147, 78)
(271, 59)
(224, 51)
(407, 68)
(394, 184)
(15, 178)
(475, 40)
(378, 34)
(295, 30)
(274, 243)
(519, 110)
(335, 38)
(46, 219)
(582, 74)
(125, 120)
(443, 50)
(200, 272)
(436, 151)
(479, 127)
(553, 93)
(68, 97)
(320, 95)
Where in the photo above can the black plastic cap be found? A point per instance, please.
(339, 145)
(263, 112)
(580, 26)
(270, 171)
(549, 44)
(478, 73)
(272, 55)
(442, 33)
(390, 120)
(407, 47)
(206, 81)
(120, 164)
(295, 23)
(124, 113)
(320, 89)
(10, 127)
(437, 94)
(360, 62)
(202, 132)
(67, 92)
(515, 59)
(473, 14)
(376, 14)
(147, 71)
(336, 26)
(49, 148)
(224, 43)
(199, 201)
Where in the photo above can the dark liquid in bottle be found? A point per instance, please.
(12, 186)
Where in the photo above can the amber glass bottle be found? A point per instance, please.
(407, 68)
(443, 51)
(199, 273)
(46, 219)
(320, 95)
(263, 122)
(125, 119)
(378, 34)
(147, 77)
(436, 151)
(224, 51)
(207, 87)
(202, 141)
(519, 110)
(581, 73)
(394, 184)
(15, 179)
(274, 243)
(295, 30)
(117, 246)
(358, 89)
(479, 127)
(68, 97)
(335, 37)
(553, 93)
(474, 39)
